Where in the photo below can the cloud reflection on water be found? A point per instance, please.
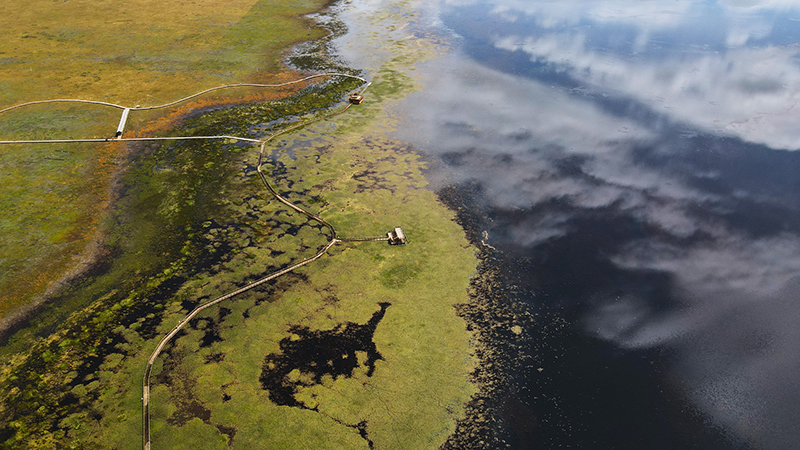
(747, 93)
(669, 143)
(736, 331)
(717, 84)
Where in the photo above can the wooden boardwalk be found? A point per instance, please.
(334, 239)
(117, 137)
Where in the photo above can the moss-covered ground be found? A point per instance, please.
(191, 221)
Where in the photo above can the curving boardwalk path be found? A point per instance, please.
(189, 97)
(334, 239)
(334, 235)
(127, 109)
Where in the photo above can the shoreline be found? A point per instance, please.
(498, 323)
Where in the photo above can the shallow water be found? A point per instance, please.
(635, 165)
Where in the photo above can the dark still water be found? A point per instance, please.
(635, 164)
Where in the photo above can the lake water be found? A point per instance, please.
(635, 165)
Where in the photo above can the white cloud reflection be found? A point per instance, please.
(513, 135)
(736, 332)
(747, 92)
(647, 16)
(654, 14)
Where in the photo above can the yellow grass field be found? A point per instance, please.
(142, 51)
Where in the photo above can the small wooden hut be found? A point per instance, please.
(356, 98)
(397, 237)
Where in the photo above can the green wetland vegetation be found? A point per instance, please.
(127, 52)
(361, 349)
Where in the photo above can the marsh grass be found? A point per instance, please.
(129, 52)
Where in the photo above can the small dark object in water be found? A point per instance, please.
(397, 237)
(356, 98)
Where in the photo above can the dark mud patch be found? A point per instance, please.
(214, 358)
(307, 355)
(210, 327)
(226, 397)
(184, 396)
(228, 431)
(370, 180)
(361, 428)
(189, 410)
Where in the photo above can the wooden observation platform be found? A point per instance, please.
(397, 237)
(356, 98)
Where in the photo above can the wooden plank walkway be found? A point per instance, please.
(122, 120)
(334, 237)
